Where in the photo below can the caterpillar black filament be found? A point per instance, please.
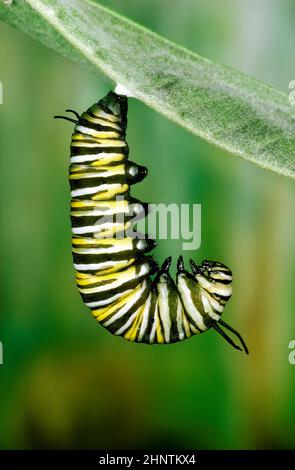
(113, 271)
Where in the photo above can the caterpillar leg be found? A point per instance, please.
(190, 295)
(161, 319)
(173, 322)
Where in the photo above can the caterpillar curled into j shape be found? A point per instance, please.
(125, 290)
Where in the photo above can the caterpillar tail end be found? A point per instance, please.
(115, 104)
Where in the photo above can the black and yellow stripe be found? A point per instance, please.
(113, 271)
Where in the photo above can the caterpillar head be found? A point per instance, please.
(215, 278)
(209, 286)
(215, 271)
(208, 289)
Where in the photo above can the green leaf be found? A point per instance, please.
(221, 105)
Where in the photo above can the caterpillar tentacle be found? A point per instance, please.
(113, 271)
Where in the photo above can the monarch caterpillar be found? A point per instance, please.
(113, 271)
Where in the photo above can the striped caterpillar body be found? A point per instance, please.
(123, 286)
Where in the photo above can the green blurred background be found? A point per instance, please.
(65, 381)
